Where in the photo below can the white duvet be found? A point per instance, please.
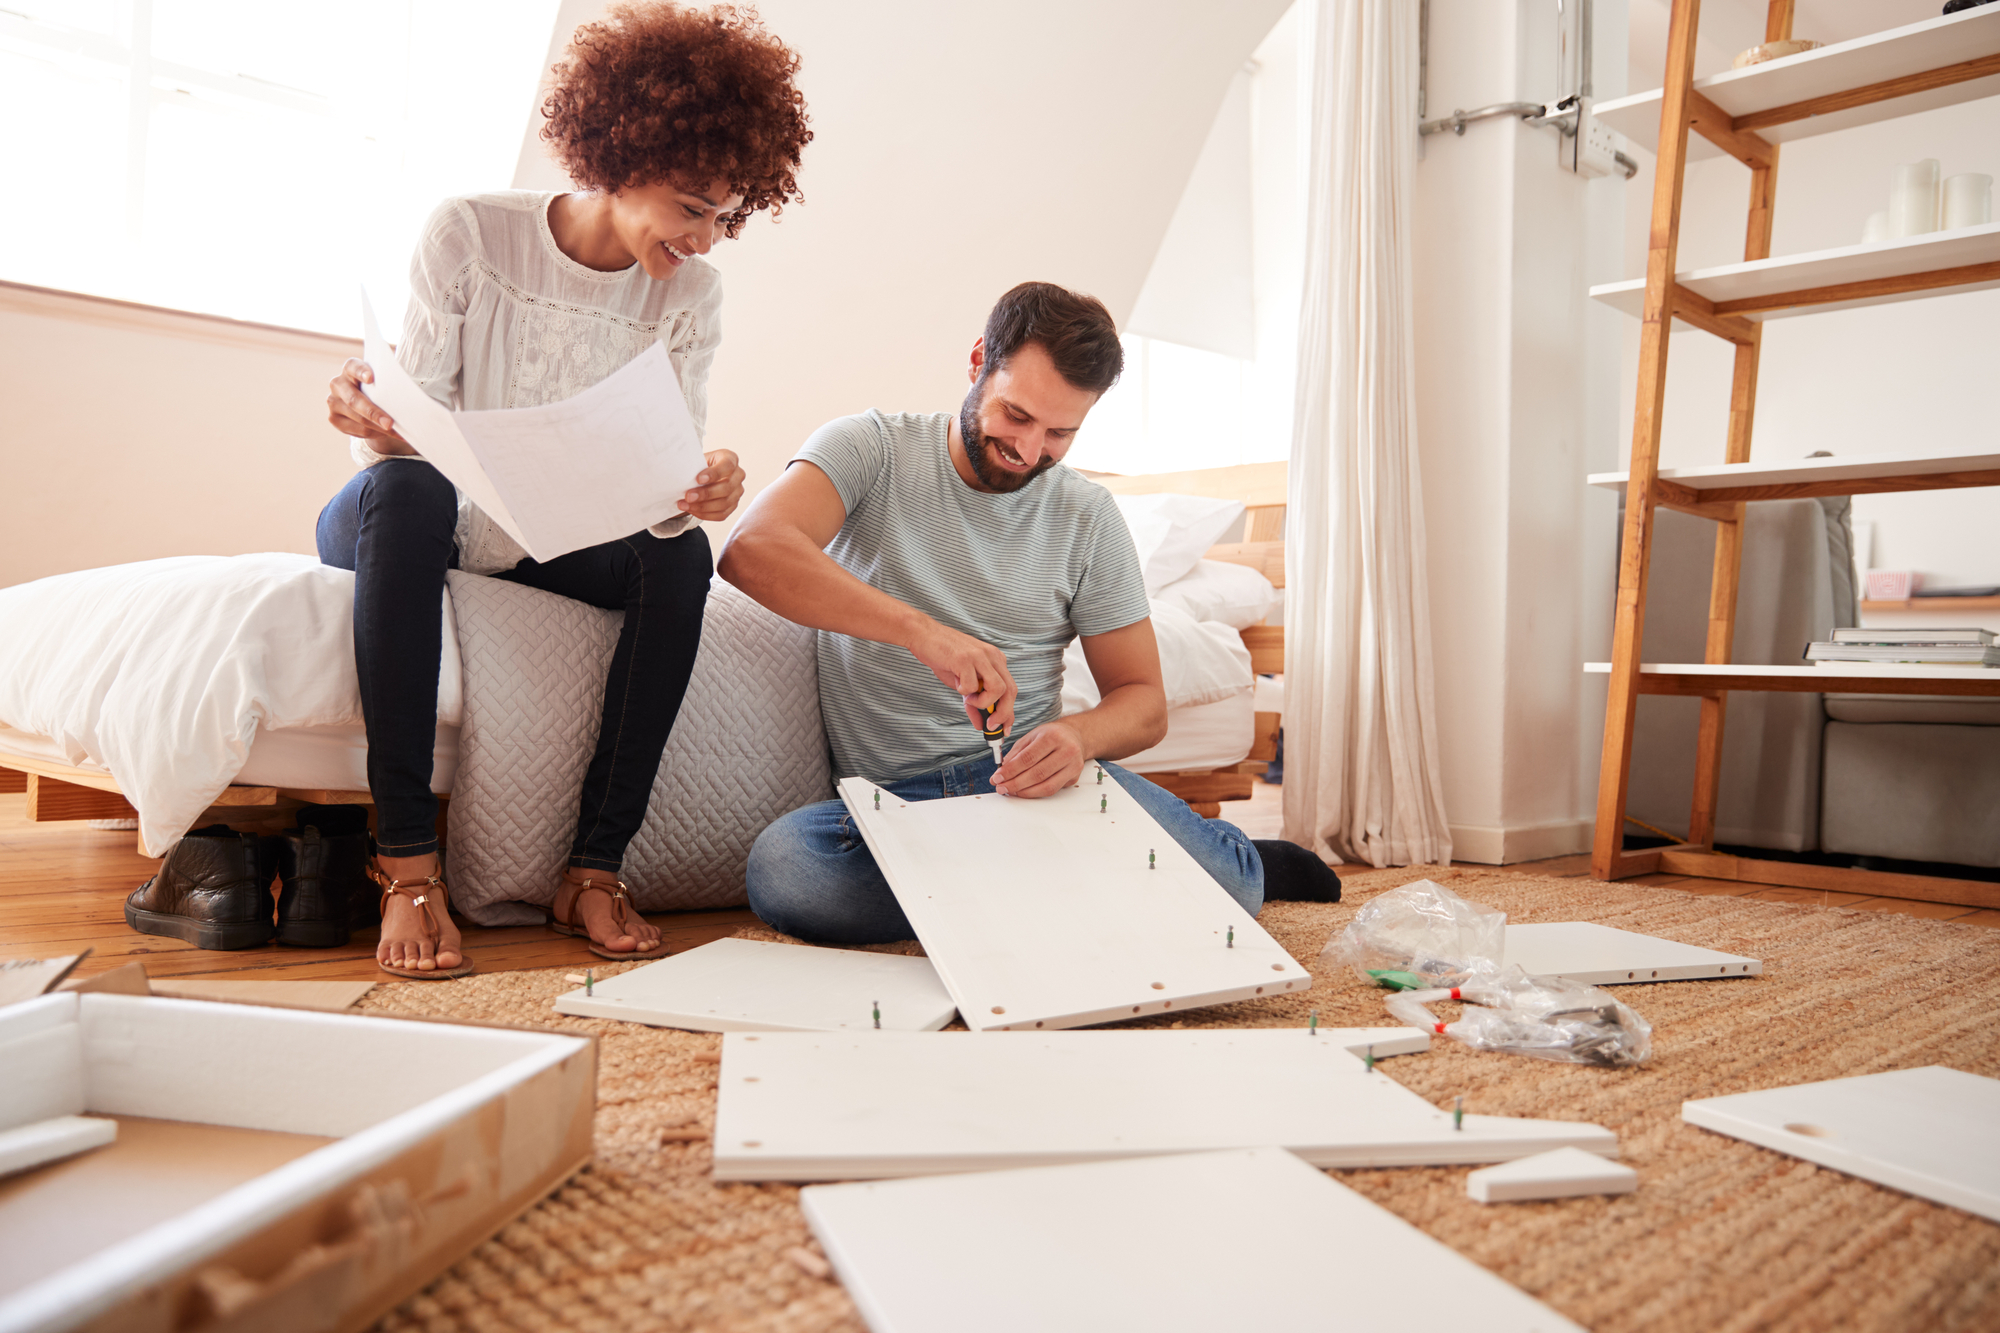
(161, 672)
(1201, 661)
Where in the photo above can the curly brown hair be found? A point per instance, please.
(657, 91)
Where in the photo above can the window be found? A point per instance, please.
(252, 158)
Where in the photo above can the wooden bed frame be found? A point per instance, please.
(1261, 488)
(62, 792)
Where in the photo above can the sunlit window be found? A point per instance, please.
(252, 158)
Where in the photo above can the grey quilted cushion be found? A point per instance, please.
(748, 747)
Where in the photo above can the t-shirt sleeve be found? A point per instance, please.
(853, 454)
(1112, 592)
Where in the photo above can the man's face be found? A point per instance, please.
(1019, 421)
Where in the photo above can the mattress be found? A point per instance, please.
(1210, 735)
(333, 758)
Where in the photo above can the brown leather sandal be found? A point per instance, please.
(564, 919)
(420, 892)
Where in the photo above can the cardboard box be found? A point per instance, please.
(274, 1168)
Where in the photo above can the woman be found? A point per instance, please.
(677, 124)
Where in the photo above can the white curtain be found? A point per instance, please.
(1361, 757)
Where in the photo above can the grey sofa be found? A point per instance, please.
(1915, 778)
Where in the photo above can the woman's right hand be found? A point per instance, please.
(352, 412)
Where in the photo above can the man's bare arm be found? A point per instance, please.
(1131, 716)
(777, 554)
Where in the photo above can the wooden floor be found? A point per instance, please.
(63, 887)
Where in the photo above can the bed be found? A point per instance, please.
(222, 690)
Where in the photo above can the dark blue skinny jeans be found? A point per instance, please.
(392, 525)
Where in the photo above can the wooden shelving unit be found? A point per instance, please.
(1936, 604)
(1747, 113)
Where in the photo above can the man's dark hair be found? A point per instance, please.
(1075, 330)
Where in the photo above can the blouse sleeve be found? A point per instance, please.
(692, 352)
(430, 350)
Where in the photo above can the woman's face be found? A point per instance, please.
(666, 224)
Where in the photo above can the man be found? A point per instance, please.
(947, 561)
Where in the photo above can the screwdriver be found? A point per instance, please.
(994, 735)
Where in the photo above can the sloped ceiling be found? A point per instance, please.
(961, 148)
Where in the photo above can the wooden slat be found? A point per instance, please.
(1963, 276)
(1267, 558)
(1936, 604)
(1628, 632)
(1715, 125)
(1806, 490)
(104, 782)
(1886, 90)
(1253, 483)
(1220, 785)
(1923, 888)
(1691, 307)
(1267, 648)
(1265, 523)
(1976, 682)
(1264, 747)
(12, 780)
(1686, 500)
(52, 799)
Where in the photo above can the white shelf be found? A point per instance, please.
(1757, 278)
(1885, 670)
(1880, 56)
(1866, 467)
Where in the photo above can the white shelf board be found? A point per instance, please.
(868, 1105)
(1605, 956)
(1756, 278)
(1252, 1240)
(1841, 670)
(763, 986)
(1873, 59)
(1863, 467)
(1048, 913)
(1928, 1131)
(1565, 1173)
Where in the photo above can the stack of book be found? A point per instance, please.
(1924, 647)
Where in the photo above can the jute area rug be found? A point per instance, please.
(1721, 1235)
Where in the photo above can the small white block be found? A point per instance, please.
(1561, 1174)
(50, 1140)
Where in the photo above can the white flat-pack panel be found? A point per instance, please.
(759, 986)
(1562, 1174)
(1076, 908)
(1605, 956)
(861, 1106)
(52, 1140)
(1933, 1132)
(1252, 1239)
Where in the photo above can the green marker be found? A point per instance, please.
(1313, 1029)
(1458, 1113)
(878, 1013)
(590, 983)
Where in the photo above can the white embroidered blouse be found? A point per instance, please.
(500, 317)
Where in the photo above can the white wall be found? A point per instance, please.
(1514, 378)
(133, 433)
(961, 148)
(1915, 377)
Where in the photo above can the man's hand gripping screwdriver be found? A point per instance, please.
(994, 735)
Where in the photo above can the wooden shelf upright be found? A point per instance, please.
(1765, 288)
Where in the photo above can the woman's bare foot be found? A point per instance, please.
(405, 941)
(596, 914)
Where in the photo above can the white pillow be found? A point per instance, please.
(1174, 531)
(1233, 595)
(1198, 663)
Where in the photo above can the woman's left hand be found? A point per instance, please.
(718, 488)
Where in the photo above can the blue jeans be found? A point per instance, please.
(392, 525)
(812, 876)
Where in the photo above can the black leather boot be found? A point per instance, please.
(213, 890)
(324, 891)
(1295, 874)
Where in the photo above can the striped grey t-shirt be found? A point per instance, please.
(1026, 572)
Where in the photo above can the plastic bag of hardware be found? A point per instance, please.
(1545, 1018)
(1422, 929)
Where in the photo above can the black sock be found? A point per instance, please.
(1291, 873)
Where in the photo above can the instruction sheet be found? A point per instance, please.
(562, 476)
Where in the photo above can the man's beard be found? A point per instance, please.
(983, 466)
